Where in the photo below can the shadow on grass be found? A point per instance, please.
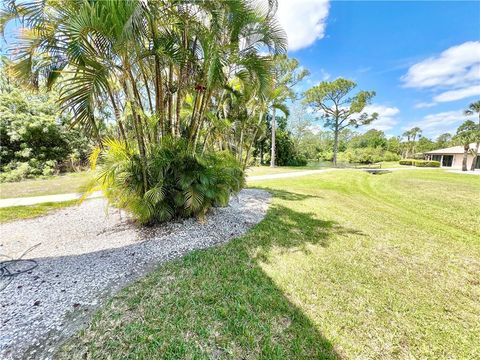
(288, 229)
(290, 196)
(215, 303)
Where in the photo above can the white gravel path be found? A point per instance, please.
(32, 200)
(85, 256)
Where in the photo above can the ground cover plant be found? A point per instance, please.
(350, 266)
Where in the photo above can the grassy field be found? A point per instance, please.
(352, 266)
(267, 170)
(26, 212)
(63, 184)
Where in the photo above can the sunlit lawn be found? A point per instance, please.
(63, 184)
(351, 266)
(26, 212)
(267, 170)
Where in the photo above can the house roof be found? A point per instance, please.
(451, 150)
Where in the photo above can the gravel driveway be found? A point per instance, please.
(86, 255)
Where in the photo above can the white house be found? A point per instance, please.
(453, 157)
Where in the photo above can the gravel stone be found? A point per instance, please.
(88, 253)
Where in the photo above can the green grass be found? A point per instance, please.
(267, 170)
(350, 266)
(63, 184)
(392, 165)
(26, 212)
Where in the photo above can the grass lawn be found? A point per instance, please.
(26, 212)
(392, 165)
(63, 184)
(267, 170)
(351, 266)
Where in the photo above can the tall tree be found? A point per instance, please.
(411, 136)
(474, 108)
(466, 134)
(162, 66)
(338, 108)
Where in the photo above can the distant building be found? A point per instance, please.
(453, 156)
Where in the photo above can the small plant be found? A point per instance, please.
(179, 184)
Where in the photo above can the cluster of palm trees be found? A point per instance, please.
(201, 71)
(469, 132)
(411, 137)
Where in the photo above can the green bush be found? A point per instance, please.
(406, 162)
(179, 184)
(366, 156)
(426, 163)
(34, 140)
(286, 153)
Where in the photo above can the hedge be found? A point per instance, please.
(427, 163)
(420, 163)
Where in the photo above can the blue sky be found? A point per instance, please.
(422, 58)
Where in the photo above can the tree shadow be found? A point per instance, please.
(290, 196)
(288, 229)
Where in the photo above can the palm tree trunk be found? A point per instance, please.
(477, 148)
(272, 157)
(205, 100)
(137, 124)
(465, 157)
(170, 98)
(116, 111)
(159, 96)
(176, 130)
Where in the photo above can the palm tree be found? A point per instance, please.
(143, 60)
(411, 136)
(474, 108)
(466, 134)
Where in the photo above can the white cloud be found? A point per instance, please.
(458, 94)
(455, 73)
(452, 67)
(386, 117)
(424, 105)
(433, 125)
(303, 20)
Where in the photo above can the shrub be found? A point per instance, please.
(286, 153)
(427, 163)
(366, 155)
(34, 140)
(406, 162)
(179, 184)
(297, 160)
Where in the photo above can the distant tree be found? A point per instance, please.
(424, 144)
(474, 108)
(466, 134)
(411, 136)
(443, 140)
(372, 139)
(394, 145)
(338, 108)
